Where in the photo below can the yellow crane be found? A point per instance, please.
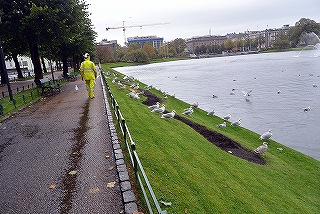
(123, 27)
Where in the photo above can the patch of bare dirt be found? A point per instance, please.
(219, 140)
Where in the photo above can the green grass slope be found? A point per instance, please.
(198, 177)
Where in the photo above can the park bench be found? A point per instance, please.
(48, 85)
(70, 77)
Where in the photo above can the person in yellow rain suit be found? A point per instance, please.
(89, 73)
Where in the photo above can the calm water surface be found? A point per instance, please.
(293, 74)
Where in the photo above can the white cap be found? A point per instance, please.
(86, 55)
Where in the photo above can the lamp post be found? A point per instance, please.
(3, 64)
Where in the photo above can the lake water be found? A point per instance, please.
(282, 85)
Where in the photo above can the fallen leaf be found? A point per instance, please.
(107, 151)
(111, 168)
(165, 203)
(111, 184)
(94, 190)
(52, 186)
(75, 153)
(107, 156)
(186, 211)
(73, 172)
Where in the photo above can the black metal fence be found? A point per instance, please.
(137, 165)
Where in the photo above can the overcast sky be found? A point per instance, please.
(188, 18)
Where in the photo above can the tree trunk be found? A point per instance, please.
(64, 60)
(3, 78)
(43, 65)
(17, 65)
(36, 62)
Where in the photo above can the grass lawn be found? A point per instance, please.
(198, 177)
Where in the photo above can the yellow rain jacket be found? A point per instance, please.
(88, 69)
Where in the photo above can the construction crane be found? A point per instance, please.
(123, 27)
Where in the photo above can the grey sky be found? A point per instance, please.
(190, 18)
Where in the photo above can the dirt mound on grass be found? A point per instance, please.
(221, 141)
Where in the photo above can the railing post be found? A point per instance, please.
(124, 130)
(118, 113)
(1, 110)
(135, 163)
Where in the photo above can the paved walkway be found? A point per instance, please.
(61, 155)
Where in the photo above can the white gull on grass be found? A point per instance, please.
(188, 111)
(266, 135)
(236, 123)
(211, 113)
(262, 149)
(159, 110)
(227, 117)
(222, 125)
(154, 106)
(169, 115)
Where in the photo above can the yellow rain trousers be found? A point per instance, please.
(89, 73)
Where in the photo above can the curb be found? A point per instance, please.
(128, 196)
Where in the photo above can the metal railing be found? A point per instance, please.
(137, 165)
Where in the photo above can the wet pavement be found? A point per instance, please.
(58, 156)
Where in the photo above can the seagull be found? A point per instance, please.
(266, 135)
(159, 110)
(261, 149)
(307, 108)
(236, 123)
(191, 107)
(154, 106)
(169, 115)
(227, 117)
(133, 95)
(188, 111)
(247, 94)
(196, 105)
(76, 88)
(222, 125)
(232, 92)
(211, 112)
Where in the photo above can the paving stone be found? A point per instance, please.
(122, 168)
(125, 186)
(128, 196)
(123, 176)
(118, 151)
(116, 146)
(130, 208)
(118, 156)
(115, 142)
(119, 161)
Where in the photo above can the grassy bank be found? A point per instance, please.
(21, 100)
(198, 177)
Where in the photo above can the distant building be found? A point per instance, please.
(155, 41)
(265, 39)
(194, 42)
(109, 45)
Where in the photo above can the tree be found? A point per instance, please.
(228, 44)
(179, 45)
(138, 55)
(282, 41)
(149, 49)
(56, 28)
(303, 26)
